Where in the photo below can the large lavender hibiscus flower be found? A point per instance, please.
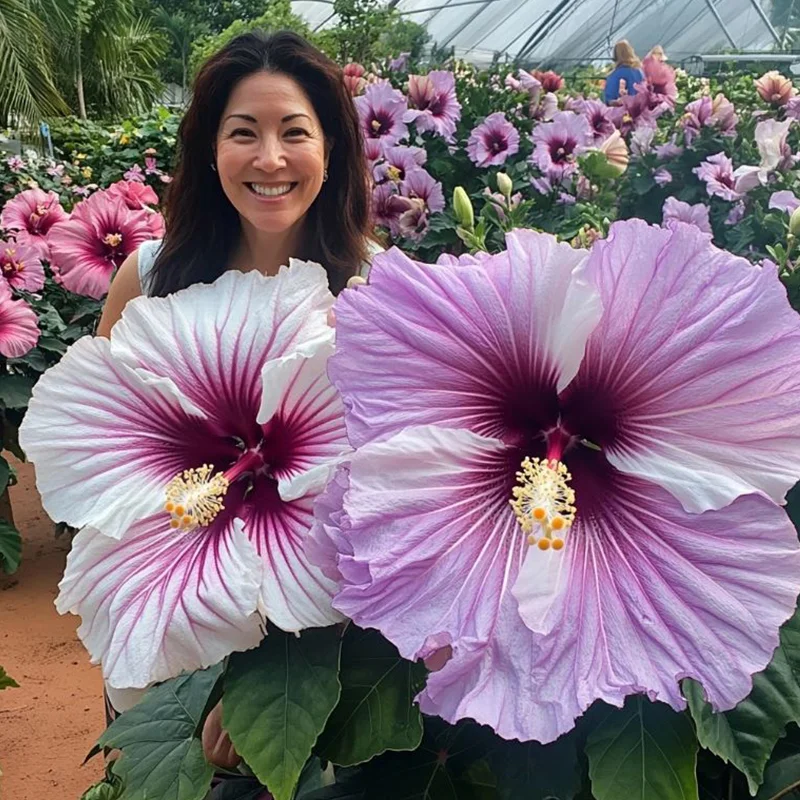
(191, 447)
(641, 408)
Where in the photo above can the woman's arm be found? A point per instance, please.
(124, 288)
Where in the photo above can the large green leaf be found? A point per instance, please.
(644, 751)
(746, 735)
(162, 756)
(531, 771)
(450, 764)
(10, 547)
(376, 711)
(277, 699)
(15, 390)
(6, 681)
(782, 775)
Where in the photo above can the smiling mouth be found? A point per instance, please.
(272, 190)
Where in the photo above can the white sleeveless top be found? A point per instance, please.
(149, 250)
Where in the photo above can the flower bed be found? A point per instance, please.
(459, 159)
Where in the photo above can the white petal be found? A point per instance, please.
(105, 438)
(157, 602)
(213, 340)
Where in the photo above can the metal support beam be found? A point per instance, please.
(765, 19)
(713, 9)
(440, 6)
(540, 32)
(471, 18)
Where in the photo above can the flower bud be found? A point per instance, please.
(462, 207)
(794, 223)
(505, 184)
(616, 152)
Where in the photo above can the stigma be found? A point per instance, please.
(194, 497)
(544, 502)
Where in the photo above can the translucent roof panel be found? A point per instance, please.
(575, 31)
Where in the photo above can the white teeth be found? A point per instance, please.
(271, 191)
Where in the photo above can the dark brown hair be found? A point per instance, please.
(202, 225)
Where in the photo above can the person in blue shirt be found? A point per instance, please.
(627, 69)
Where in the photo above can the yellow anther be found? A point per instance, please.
(544, 502)
(194, 497)
(376, 125)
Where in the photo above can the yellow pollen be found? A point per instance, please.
(194, 497)
(113, 239)
(393, 173)
(376, 125)
(544, 502)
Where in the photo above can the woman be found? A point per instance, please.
(270, 168)
(627, 69)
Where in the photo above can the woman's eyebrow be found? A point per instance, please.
(241, 116)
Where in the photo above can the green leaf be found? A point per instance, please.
(746, 735)
(6, 681)
(11, 438)
(277, 699)
(532, 771)
(644, 751)
(15, 390)
(10, 547)
(110, 788)
(450, 764)
(162, 757)
(782, 775)
(5, 473)
(239, 788)
(376, 711)
(52, 345)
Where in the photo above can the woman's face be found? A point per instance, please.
(270, 152)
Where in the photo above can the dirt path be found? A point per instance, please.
(49, 724)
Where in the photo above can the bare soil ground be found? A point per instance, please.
(49, 724)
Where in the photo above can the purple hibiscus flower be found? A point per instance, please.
(493, 141)
(381, 109)
(721, 181)
(677, 211)
(398, 162)
(435, 106)
(569, 473)
(599, 116)
(559, 143)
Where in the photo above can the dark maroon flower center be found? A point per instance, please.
(561, 151)
(381, 124)
(497, 143)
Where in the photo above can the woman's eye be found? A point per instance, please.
(297, 132)
(242, 132)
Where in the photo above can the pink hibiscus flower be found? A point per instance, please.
(136, 195)
(21, 265)
(19, 329)
(32, 213)
(101, 234)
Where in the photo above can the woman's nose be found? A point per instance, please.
(270, 156)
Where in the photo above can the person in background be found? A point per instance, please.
(658, 53)
(625, 75)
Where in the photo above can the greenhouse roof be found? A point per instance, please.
(577, 31)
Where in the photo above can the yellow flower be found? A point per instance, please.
(86, 172)
(124, 139)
